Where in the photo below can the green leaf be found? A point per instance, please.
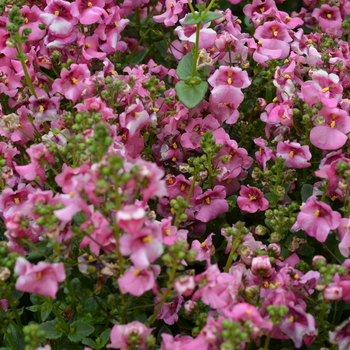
(211, 16)
(89, 342)
(138, 56)
(191, 95)
(45, 312)
(190, 19)
(103, 339)
(16, 338)
(81, 331)
(50, 329)
(306, 192)
(184, 69)
(43, 249)
(34, 308)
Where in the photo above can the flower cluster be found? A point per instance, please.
(174, 164)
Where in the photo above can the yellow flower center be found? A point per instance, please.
(249, 311)
(229, 81)
(57, 13)
(229, 73)
(252, 198)
(316, 213)
(291, 154)
(137, 115)
(173, 159)
(174, 145)
(74, 81)
(202, 245)
(332, 124)
(287, 76)
(89, 4)
(39, 275)
(168, 232)
(136, 272)
(17, 201)
(87, 44)
(274, 31)
(291, 319)
(41, 109)
(260, 42)
(71, 194)
(147, 239)
(183, 187)
(207, 200)
(325, 89)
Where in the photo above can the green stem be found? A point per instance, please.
(193, 183)
(17, 317)
(9, 340)
(233, 250)
(191, 7)
(24, 67)
(60, 319)
(208, 8)
(195, 51)
(165, 295)
(267, 341)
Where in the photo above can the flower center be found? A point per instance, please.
(274, 31)
(252, 198)
(316, 213)
(147, 239)
(74, 81)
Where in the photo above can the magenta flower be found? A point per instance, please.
(170, 16)
(121, 335)
(295, 155)
(41, 279)
(230, 76)
(329, 18)
(341, 336)
(168, 312)
(211, 204)
(261, 266)
(88, 11)
(317, 219)
(264, 154)
(251, 199)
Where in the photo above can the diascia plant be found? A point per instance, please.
(174, 175)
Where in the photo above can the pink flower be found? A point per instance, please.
(261, 266)
(169, 310)
(264, 154)
(170, 16)
(344, 231)
(72, 82)
(211, 204)
(295, 155)
(39, 154)
(132, 335)
(88, 11)
(137, 282)
(100, 236)
(341, 336)
(251, 199)
(274, 35)
(41, 279)
(329, 18)
(317, 219)
(58, 18)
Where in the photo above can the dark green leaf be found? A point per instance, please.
(50, 329)
(184, 69)
(89, 342)
(33, 308)
(103, 339)
(211, 16)
(16, 338)
(191, 95)
(191, 20)
(45, 312)
(163, 329)
(81, 331)
(306, 192)
(138, 56)
(43, 249)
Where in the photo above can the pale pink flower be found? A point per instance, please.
(251, 199)
(41, 279)
(317, 219)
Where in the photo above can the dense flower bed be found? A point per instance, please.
(174, 175)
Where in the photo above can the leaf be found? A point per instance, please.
(306, 192)
(45, 312)
(33, 308)
(138, 56)
(16, 339)
(211, 16)
(163, 329)
(89, 342)
(190, 19)
(191, 95)
(80, 331)
(50, 329)
(184, 69)
(43, 249)
(103, 339)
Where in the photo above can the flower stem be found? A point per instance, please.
(195, 51)
(233, 250)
